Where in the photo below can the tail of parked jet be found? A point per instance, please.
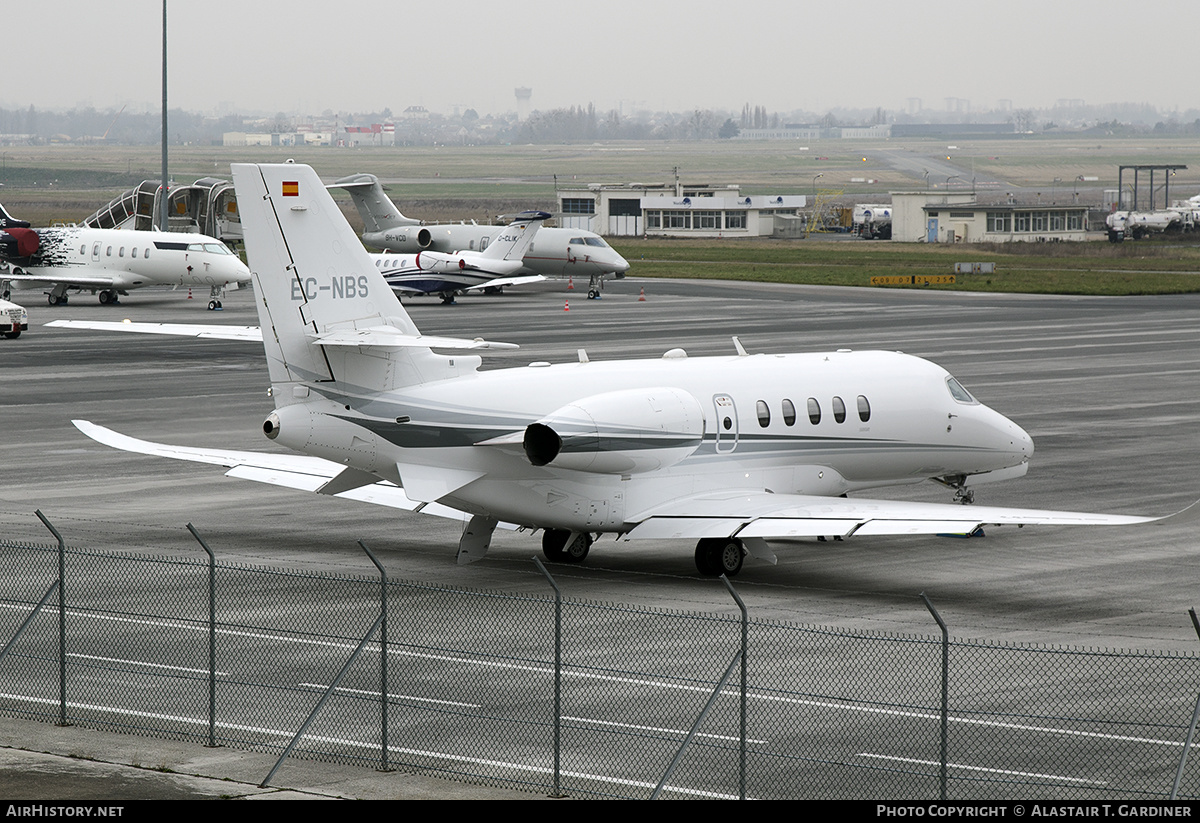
(517, 237)
(376, 209)
(327, 315)
(7, 221)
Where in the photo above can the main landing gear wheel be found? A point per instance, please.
(108, 296)
(593, 294)
(554, 546)
(716, 556)
(56, 300)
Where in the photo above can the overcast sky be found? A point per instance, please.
(364, 55)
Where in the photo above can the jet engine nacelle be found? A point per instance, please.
(436, 261)
(621, 432)
(449, 263)
(19, 242)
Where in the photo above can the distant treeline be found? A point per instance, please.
(582, 122)
(117, 126)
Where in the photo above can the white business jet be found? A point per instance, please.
(431, 272)
(726, 451)
(113, 262)
(557, 252)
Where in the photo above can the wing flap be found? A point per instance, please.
(759, 514)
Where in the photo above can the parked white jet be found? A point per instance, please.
(729, 451)
(431, 272)
(556, 253)
(112, 262)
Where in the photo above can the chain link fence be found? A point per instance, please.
(573, 697)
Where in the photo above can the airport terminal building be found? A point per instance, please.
(665, 210)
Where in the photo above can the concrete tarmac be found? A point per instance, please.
(1107, 387)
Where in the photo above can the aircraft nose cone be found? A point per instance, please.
(1019, 439)
(1026, 443)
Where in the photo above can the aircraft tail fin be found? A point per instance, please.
(376, 209)
(326, 313)
(311, 274)
(516, 238)
(7, 221)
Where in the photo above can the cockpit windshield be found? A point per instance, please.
(211, 248)
(959, 393)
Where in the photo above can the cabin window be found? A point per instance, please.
(146, 256)
(379, 264)
(764, 413)
(727, 423)
(839, 410)
(133, 252)
(789, 413)
(814, 411)
(108, 253)
(83, 249)
(864, 409)
(121, 253)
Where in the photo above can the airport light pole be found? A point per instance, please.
(814, 184)
(162, 224)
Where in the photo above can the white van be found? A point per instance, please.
(13, 319)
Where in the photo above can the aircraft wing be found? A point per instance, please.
(212, 331)
(759, 514)
(83, 280)
(293, 471)
(500, 282)
(383, 336)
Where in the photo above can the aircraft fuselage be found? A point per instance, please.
(652, 431)
(556, 252)
(114, 260)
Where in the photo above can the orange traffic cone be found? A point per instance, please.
(566, 305)
(570, 284)
(189, 294)
(642, 297)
